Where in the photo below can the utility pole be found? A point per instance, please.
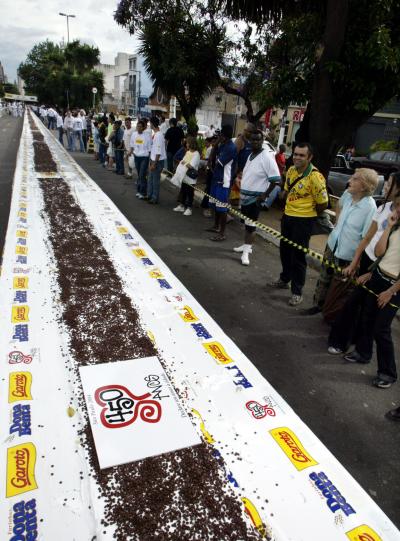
(68, 16)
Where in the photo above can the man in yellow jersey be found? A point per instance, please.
(306, 197)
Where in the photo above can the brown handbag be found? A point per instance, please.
(339, 291)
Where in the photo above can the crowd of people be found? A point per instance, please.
(12, 108)
(362, 252)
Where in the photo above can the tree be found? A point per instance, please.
(183, 44)
(352, 67)
(62, 76)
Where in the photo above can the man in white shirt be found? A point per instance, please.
(127, 144)
(60, 127)
(77, 129)
(51, 118)
(158, 155)
(69, 129)
(82, 115)
(164, 126)
(140, 147)
(260, 174)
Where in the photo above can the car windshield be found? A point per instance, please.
(377, 155)
(391, 156)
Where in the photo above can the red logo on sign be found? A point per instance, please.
(122, 408)
(259, 411)
(15, 357)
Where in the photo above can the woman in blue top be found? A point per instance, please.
(354, 213)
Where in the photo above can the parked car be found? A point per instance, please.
(384, 162)
(339, 176)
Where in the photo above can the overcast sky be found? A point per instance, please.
(23, 23)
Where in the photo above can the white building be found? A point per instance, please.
(125, 81)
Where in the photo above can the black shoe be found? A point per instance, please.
(311, 311)
(381, 383)
(355, 357)
(393, 415)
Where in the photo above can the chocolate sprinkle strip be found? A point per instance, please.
(179, 496)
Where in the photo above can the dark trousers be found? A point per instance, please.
(293, 260)
(376, 325)
(102, 152)
(347, 328)
(61, 135)
(205, 201)
(186, 195)
(142, 166)
(170, 161)
(119, 161)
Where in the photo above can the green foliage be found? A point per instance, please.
(60, 74)
(182, 44)
(383, 145)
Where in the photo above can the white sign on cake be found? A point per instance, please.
(134, 411)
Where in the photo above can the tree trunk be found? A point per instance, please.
(321, 128)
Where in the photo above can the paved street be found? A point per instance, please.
(10, 129)
(335, 399)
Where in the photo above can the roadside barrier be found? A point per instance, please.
(312, 253)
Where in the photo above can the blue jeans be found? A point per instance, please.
(142, 165)
(153, 187)
(70, 139)
(102, 152)
(272, 196)
(78, 136)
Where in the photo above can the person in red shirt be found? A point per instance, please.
(281, 160)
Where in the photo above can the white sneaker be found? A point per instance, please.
(140, 196)
(245, 258)
(188, 212)
(179, 208)
(295, 300)
(334, 351)
(239, 249)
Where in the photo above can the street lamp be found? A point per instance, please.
(68, 16)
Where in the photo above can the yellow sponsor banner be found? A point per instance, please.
(156, 273)
(254, 515)
(21, 461)
(216, 350)
(204, 431)
(19, 313)
(22, 250)
(139, 252)
(20, 282)
(292, 447)
(122, 230)
(22, 214)
(21, 233)
(188, 315)
(19, 386)
(363, 533)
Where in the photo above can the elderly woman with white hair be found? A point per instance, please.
(354, 213)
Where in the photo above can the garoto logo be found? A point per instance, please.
(122, 408)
